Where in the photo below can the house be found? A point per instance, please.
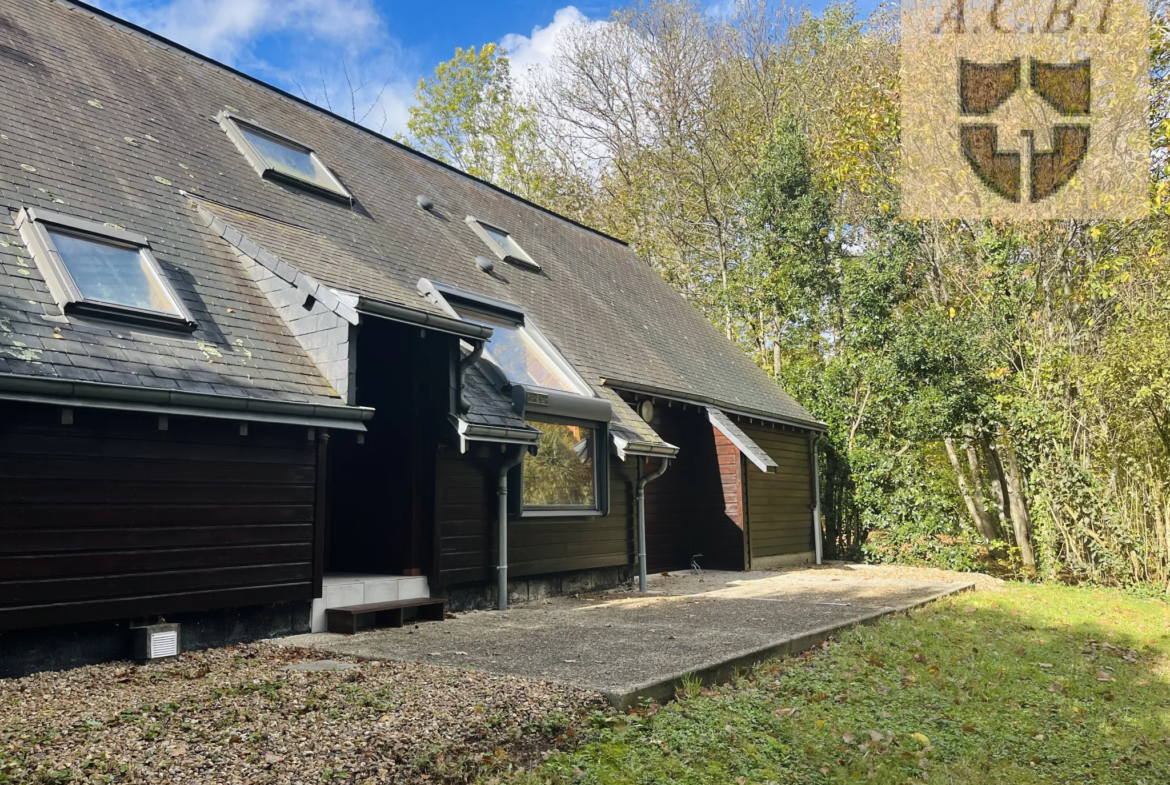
(257, 361)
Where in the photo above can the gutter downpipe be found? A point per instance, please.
(642, 483)
(817, 536)
(502, 537)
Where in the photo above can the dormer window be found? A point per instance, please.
(517, 352)
(101, 270)
(502, 244)
(277, 156)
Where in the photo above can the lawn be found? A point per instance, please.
(1025, 685)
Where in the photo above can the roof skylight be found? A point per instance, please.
(101, 270)
(275, 155)
(503, 244)
(514, 350)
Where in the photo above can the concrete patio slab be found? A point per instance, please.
(632, 647)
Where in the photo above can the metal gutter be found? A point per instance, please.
(98, 395)
(427, 319)
(704, 401)
(500, 434)
(643, 449)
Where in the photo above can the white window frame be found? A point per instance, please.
(231, 124)
(480, 228)
(33, 225)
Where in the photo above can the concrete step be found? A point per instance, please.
(346, 589)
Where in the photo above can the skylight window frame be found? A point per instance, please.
(480, 227)
(450, 298)
(231, 124)
(34, 225)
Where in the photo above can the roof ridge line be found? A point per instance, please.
(162, 40)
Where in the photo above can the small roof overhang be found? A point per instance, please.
(498, 434)
(97, 395)
(754, 452)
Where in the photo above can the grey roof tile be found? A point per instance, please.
(610, 314)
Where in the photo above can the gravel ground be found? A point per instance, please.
(234, 715)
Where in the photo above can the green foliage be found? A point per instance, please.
(991, 391)
(1027, 685)
(468, 115)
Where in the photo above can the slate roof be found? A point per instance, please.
(132, 123)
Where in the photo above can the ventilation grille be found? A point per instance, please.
(164, 644)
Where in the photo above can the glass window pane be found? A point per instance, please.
(115, 274)
(289, 160)
(561, 473)
(521, 360)
(505, 241)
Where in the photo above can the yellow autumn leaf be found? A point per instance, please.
(920, 737)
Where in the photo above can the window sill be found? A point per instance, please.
(577, 512)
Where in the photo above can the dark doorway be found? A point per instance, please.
(382, 489)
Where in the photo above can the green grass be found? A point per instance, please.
(1032, 684)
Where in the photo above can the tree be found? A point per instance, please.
(468, 115)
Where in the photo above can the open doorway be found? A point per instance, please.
(382, 487)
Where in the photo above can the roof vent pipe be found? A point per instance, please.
(502, 536)
(425, 202)
(462, 401)
(485, 264)
(642, 483)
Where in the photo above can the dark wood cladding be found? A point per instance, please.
(111, 518)
(779, 505)
(687, 510)
(467, 519)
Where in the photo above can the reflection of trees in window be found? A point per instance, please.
(518, 357)
(561, 474)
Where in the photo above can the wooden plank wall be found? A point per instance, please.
(686, 509)
(779, 505)
(731, 475)
(112, 518)
(467, 519)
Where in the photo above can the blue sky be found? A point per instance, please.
(309, 47)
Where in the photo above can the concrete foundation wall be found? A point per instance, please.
(783, 560)
(535, 587)
(57, 648)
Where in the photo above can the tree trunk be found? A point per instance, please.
(1015, 490)
(973, 510)
(776, 364)
(998, 486)
(988, 529)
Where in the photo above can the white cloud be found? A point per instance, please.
(224, 29)
(303, 46)
(528, 54)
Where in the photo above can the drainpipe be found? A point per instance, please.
(642, 482)
(461, 398)
(502, 538)
(817, 498)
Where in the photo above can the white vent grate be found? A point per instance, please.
(164, 644)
